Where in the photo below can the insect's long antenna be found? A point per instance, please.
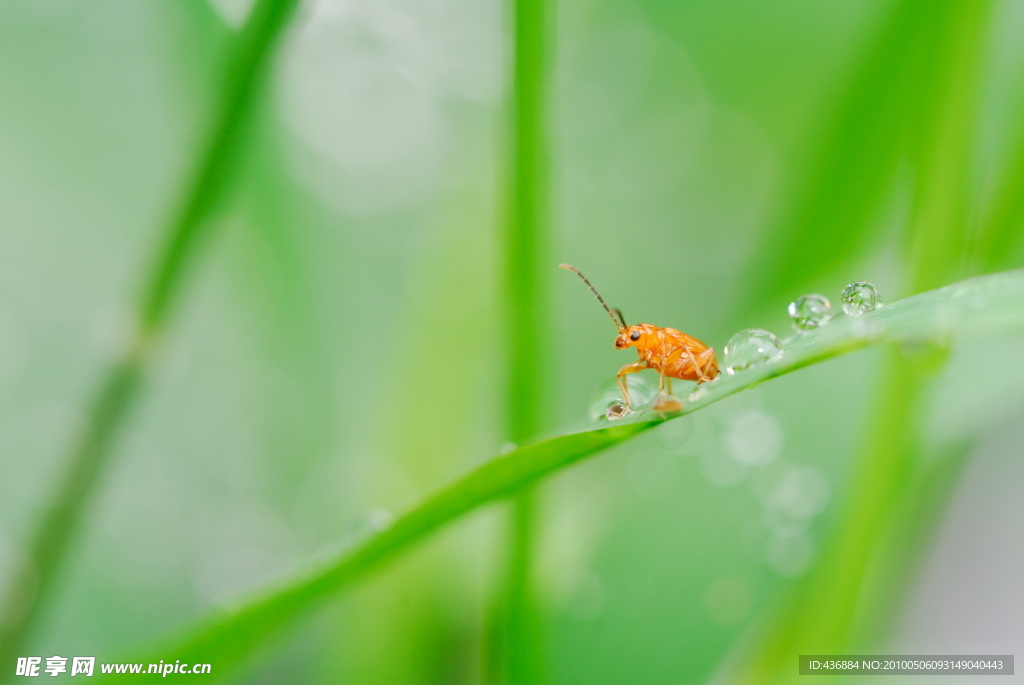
(620, 323)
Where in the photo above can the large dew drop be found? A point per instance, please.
(809, 312)
(749, 348)
(860, 297)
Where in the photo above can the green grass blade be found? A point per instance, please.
(978, 306)
(1002, 230)
(827, 220)
(246, 70)
(33, 580)
(514, 653)
(888, 588)
(943, 142)
(244, 75)
(225, 640)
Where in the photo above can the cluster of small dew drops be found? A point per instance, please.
(755, 346)
(814, 311)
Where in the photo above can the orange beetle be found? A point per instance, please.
(672, 353)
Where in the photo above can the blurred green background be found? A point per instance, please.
(336, 353)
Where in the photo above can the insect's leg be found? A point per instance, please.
(621, 377)
(666, 403)
(698, 367)
(708, 364)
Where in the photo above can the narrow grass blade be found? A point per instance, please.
(245, 73)
(34, 581)
(829, 218)
(978, 307)
(1002, 229)
(942, 142)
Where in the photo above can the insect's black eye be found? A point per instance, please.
(635, 335)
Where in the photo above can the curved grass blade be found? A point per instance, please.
(977, 306)
(35, 579)
(226, 639)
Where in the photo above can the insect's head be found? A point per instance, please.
(634, 336)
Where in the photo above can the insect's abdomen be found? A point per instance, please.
(684, 369)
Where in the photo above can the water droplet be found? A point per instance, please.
(668, 404)
(615, 411)
(809, 312)
(699, 393)
(507, 448)
(749, 348)
(608, 403)
(860, 297)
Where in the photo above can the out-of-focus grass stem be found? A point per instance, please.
(1002, 228)
(517, 646)
(35, 579)
(517, 656)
